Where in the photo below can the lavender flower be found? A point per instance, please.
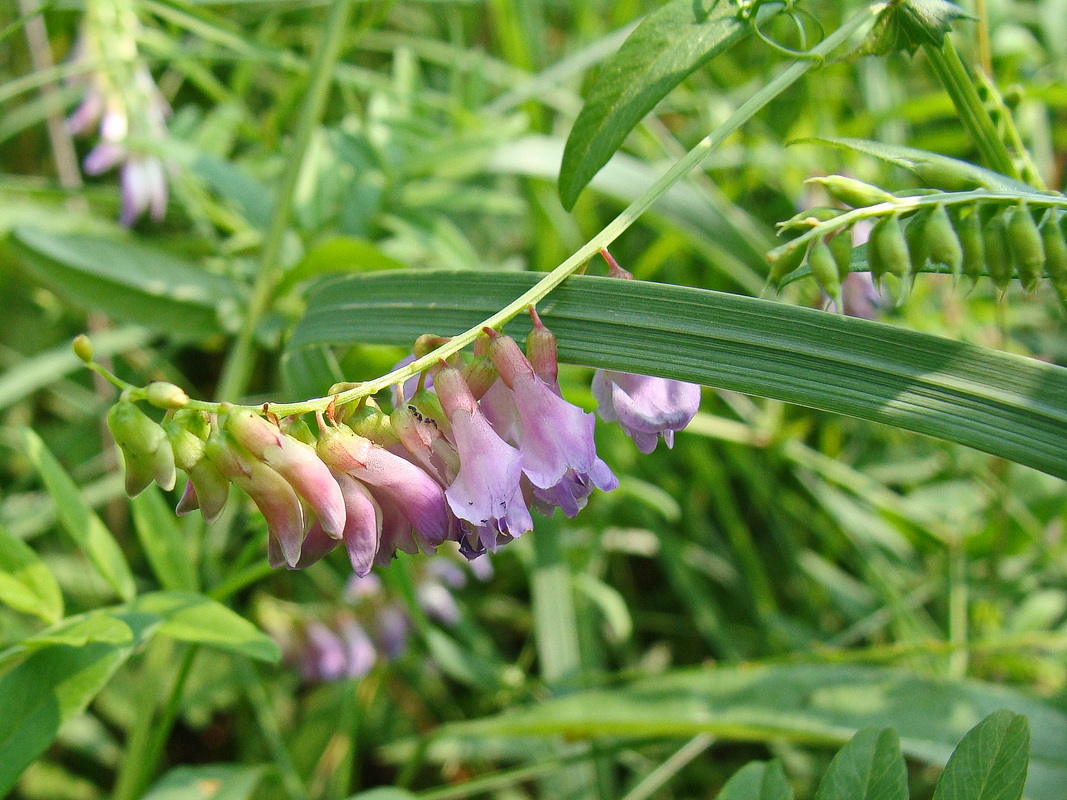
(409, 498)
(554, 437)
(486, 492)
(647, 408)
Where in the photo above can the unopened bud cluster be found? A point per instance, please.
(465, 458)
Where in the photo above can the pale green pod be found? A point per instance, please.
(784, 260)
(887, 238)
(1055, 244)
(942, 243)
(915, 235)
(1025, 246)
(824, 269)
(998, 261)
(969, 231)
(841, 247)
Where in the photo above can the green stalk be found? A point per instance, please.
(238, 368)
(960, 87)
(238, 365)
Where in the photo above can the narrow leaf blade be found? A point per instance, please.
(42, 693)
(1007, 405)
(198, 619)
(163, 541)
(79, 521)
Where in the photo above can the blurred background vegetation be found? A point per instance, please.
(802, 545)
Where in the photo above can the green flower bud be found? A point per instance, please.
(145, 449)
(998, 262)
(942, 243)
(968, 229)
(480, 374)
(166, 395)
(370, 423)
(853, 192)
(824, 270)
(83, 347)
(1025, 247)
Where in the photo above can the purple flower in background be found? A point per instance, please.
(647, 408)
(122, 96)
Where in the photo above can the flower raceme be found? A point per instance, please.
(464, 460)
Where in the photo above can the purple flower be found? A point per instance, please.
(486, 492)
(554, 437)
(407, 495)
(646, 407)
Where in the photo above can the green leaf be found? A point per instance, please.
(990, 763)
(79, 521)
(25, 582)
(195, 618)
(207, 782)
(669, 45)
(340, 254)
(758, 780)
(869, 767)
(163, 541)
(43, 692)
(909, 24)
(128, 281)
(803, 703)
(937, 171)
(1007, 405)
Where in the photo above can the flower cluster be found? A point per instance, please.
(122, 97)
(465, 459)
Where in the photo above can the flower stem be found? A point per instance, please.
(960, 87)
(238, 367)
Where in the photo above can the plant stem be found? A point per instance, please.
(238, 367)
(960, 87)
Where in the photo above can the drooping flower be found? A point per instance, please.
(144, 446)
(362, 533)
(409, 498)
(271, 493)
(485, 493)
(647, 408)
(295, 461)
(206, 489)
(554, 437)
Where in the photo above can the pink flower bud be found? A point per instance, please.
(295, 461)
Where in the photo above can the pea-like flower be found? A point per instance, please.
(554, 437)
(647, 408)
(486, 493)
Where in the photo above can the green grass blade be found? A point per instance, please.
(1006, 405)
(79, 521)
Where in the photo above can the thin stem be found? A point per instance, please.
(238, 367)
(658, 778)
(960, 87)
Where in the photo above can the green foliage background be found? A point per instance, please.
(793, 572)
